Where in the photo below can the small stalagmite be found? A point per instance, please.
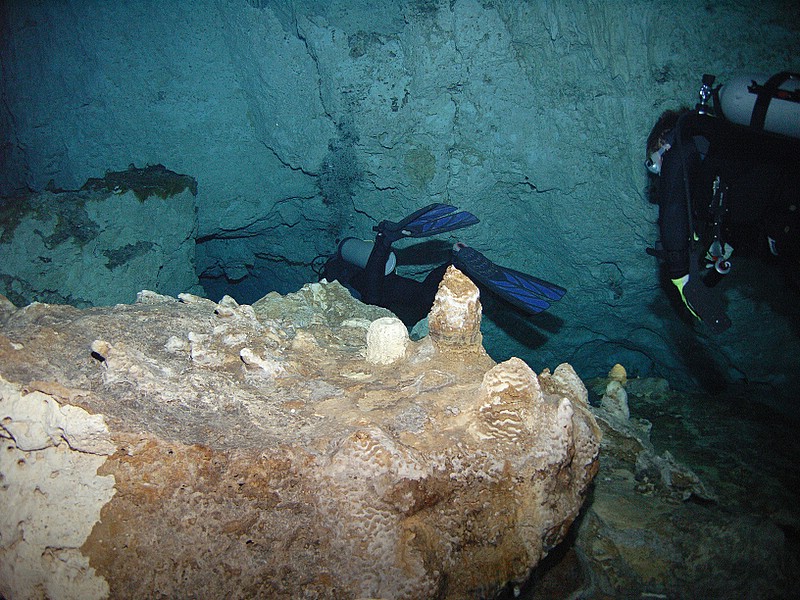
(455, 318)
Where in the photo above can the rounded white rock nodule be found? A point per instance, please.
(387, 339)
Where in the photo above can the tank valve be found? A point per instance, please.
(706, 91)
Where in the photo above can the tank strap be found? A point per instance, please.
(765, 93)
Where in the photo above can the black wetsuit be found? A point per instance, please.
(673, 217)
(761, 175)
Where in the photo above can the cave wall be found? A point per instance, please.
(306, 122)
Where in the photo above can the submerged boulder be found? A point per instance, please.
(186, 447)
(103, 243)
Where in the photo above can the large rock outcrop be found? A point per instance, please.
(186, 448)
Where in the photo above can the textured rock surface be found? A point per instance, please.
(51, 492)
(697, 500)
(207, 450)
(92, 248)
(305, 122)
(455, 318)
(387, 341)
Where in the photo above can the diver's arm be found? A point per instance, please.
(673, 218)
(676, 230)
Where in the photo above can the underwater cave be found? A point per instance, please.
(280, 129)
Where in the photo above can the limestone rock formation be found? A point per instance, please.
(387, 341)
(187, 448)
(700, 520)
(102, 244)
(627, 440)
(455, 318)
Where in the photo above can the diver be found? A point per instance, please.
(719, 185)
(367, 269)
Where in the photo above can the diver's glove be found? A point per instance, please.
(703, 302)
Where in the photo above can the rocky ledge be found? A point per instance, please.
(302, 447)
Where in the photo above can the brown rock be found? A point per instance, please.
(192, 449)
(455, 318)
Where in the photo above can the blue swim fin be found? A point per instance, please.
(432, 220)
(527, 292)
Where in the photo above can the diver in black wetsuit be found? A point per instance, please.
(368, 269)
(718, 183)
(409, 299)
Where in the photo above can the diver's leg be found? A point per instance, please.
(375, 271)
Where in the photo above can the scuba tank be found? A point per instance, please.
(356, 252)
(763, 102)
